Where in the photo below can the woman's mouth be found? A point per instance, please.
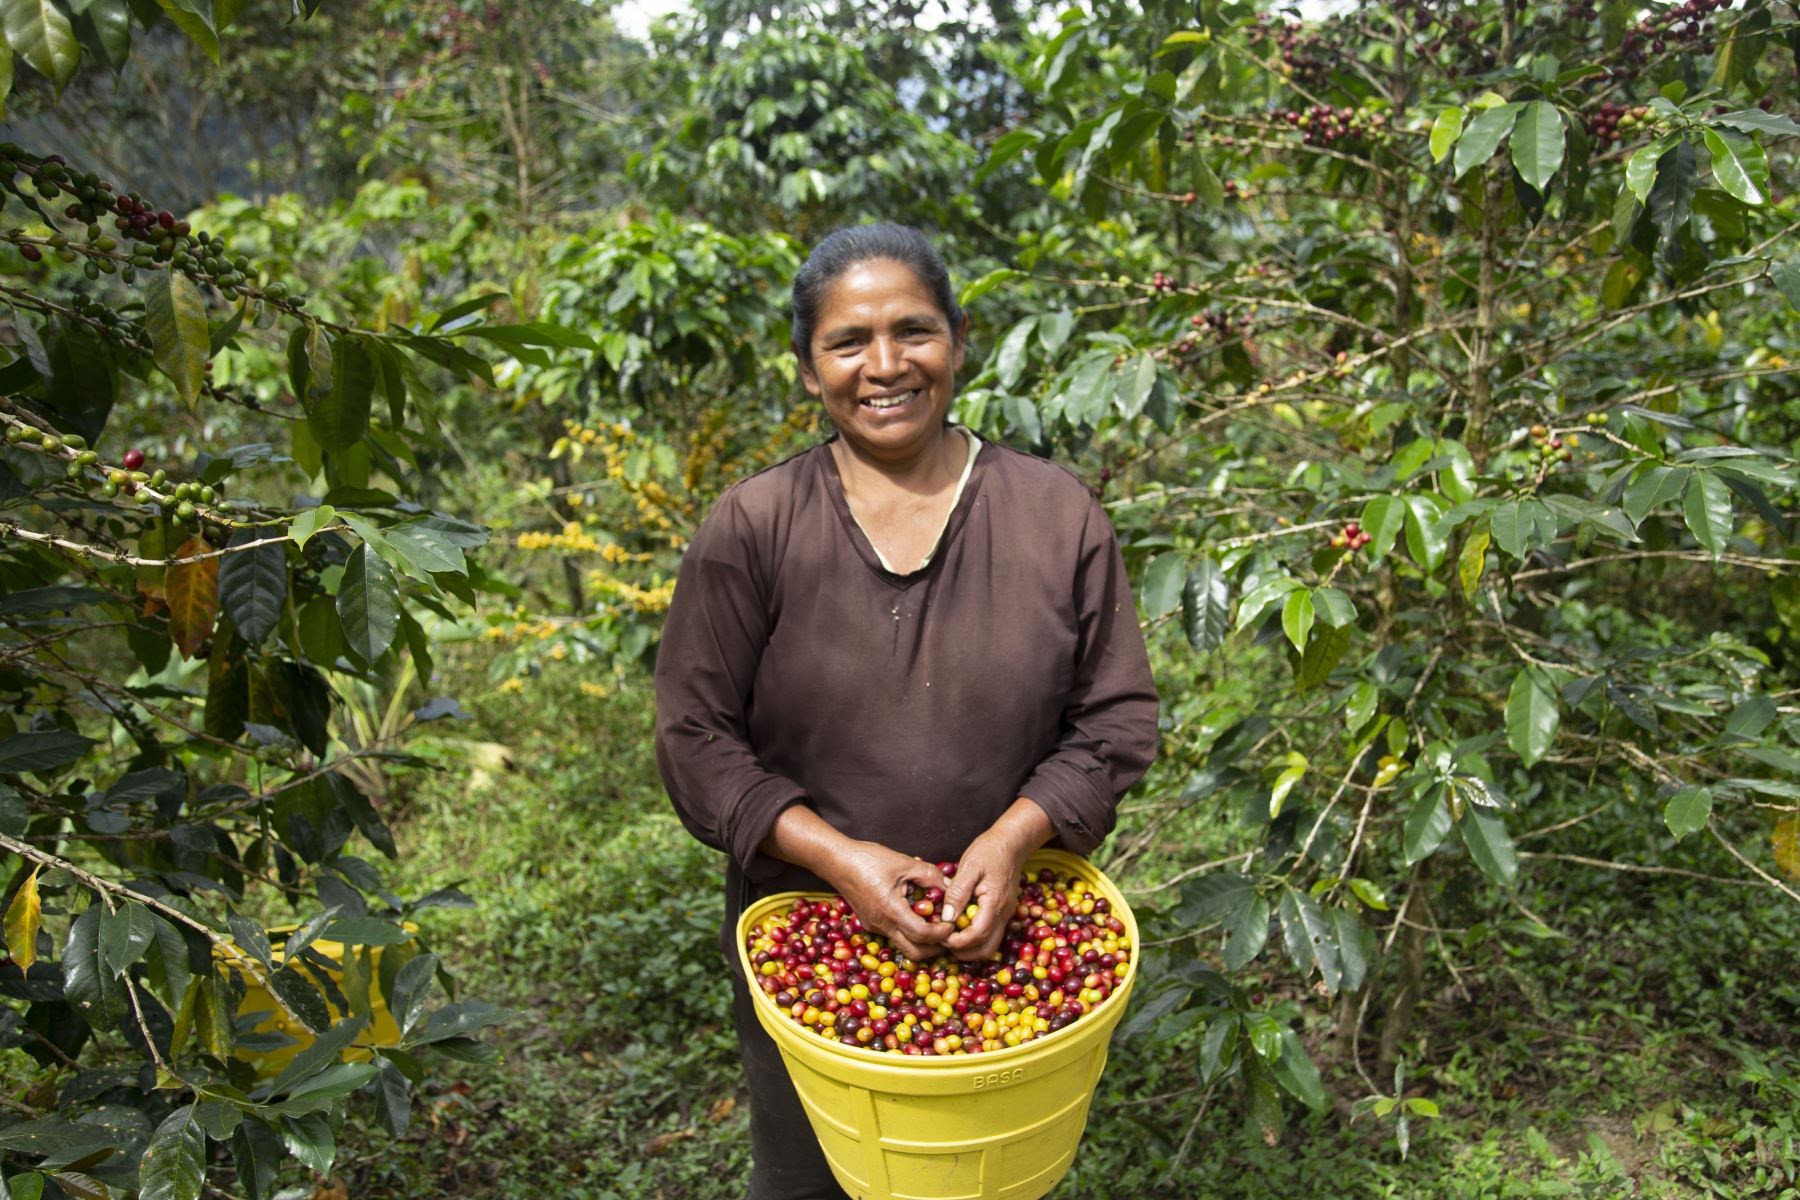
(884, 403)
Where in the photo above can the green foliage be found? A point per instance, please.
(172, 757)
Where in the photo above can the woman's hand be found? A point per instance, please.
(988, 875)
(873, 878)
(876, 880)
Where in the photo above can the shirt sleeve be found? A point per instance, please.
(712, 641)
(1109, 717)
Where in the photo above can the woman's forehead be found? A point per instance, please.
(876, 287)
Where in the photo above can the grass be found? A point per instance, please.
(1646, 1049)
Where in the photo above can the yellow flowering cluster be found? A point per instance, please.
(571, 540)
(658, 508)
(520, 630)
(513, 686)
(653, 599)
(597, 691)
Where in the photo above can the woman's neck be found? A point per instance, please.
(937, 466)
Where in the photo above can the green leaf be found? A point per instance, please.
(1382, 519)
(1652, 487)
(411, 990)
(1009, 361)
(1284, 783)
(1426, 540)
(125, 934)
(256, 1151)
(1333, 607)
(1490, 846)
(368, 603)
(1214, 897)
(1531, 715)
(174, 1164)
(460, 1020)
(426, 550)
(326, 1051)
(1445, 130)
(1688, 810)
(1088, 395)
(1427, 824)
(104, 28)
(1752, 120)
(194, 18)
(309, 522)
(40, 34)
(1672, 197)
(1310, 940)
(96, 995)
(1022, 415)
(1135, 385)
(1640, 168)
(1748, 720)
(394, 1095)
(1537, 143)
(1361, 706)
(1163, 579)
(1707, 509)
(253, 584)
(1352, 952)
(339, 418)
(1299, 1075)
(1483, 136)
(1324, 650)
(46, 751)
(175, 314)
(1786, 277)
(1008, 149)
(1247, 930)
(1297, 618)
(1733, 164)
(978, 288)
(309, 1139)
(1206, 606)
(1053, 330)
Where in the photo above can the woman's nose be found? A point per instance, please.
(884, 357)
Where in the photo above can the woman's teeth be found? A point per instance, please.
(891, 401)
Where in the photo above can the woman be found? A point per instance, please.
(900, 647)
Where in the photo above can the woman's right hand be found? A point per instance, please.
(876, 880)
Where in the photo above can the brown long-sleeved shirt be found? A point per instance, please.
(909, 710)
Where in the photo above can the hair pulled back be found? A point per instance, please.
(845, 248)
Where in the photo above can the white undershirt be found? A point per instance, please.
(968, 466)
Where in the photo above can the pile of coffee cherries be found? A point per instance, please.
(1063, 954)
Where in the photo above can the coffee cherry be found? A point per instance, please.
(133, 459)
(30, 252)
(185, 511)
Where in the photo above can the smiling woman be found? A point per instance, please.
(901, 648)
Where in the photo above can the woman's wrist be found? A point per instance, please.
(804, 838)
(1025, 828)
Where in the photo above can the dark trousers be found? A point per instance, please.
(788, 1162)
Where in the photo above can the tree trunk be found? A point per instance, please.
(1412, 971)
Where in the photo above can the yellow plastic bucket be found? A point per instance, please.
(1003, 1125)
(382, 1030)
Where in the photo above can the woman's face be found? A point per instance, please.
(884, 361)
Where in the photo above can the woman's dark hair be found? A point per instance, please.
(845, 248)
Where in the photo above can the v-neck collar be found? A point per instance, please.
(865, 549)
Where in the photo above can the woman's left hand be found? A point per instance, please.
(987, 875)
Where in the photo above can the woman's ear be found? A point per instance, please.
(809, 377)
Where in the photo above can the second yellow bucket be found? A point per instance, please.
(998, 1126)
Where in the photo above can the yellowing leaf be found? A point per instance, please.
(1786, 840)
(24, 917)
(192, 591)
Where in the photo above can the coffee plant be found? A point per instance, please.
(204, 966)
(1432, 359)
